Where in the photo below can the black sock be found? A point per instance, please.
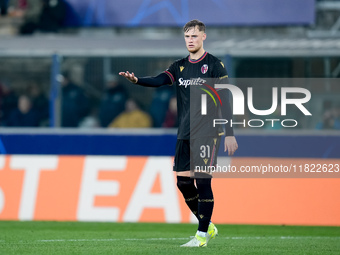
(205, 203)
(187, 186)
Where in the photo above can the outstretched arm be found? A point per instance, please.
(157, 81)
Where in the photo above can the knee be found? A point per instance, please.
(184, 183)
(204, 187)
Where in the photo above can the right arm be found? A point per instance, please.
(156, 81)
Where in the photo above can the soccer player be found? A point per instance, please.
(197, 144)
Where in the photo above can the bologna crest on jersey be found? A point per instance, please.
(204, 68)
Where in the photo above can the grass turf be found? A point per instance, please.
(148, 238)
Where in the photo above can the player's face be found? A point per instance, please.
(194, 39)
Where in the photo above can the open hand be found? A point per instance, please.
(129, 76)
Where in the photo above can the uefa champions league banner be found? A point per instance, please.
(134, 13)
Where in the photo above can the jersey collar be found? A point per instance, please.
(197, 60)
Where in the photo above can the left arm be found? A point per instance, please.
(230, 143)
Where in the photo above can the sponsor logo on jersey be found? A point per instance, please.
(181, 68)
(192, 82)
(204, 68)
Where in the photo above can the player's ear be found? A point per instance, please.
(204, 36)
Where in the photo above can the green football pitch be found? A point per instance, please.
(148, 238)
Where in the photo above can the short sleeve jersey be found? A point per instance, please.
(191, 78)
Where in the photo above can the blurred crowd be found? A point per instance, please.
(35, 15)
(27, 109)
(30, 107)
(330, 118)
(115, 108)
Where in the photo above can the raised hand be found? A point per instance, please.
(129, 76)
